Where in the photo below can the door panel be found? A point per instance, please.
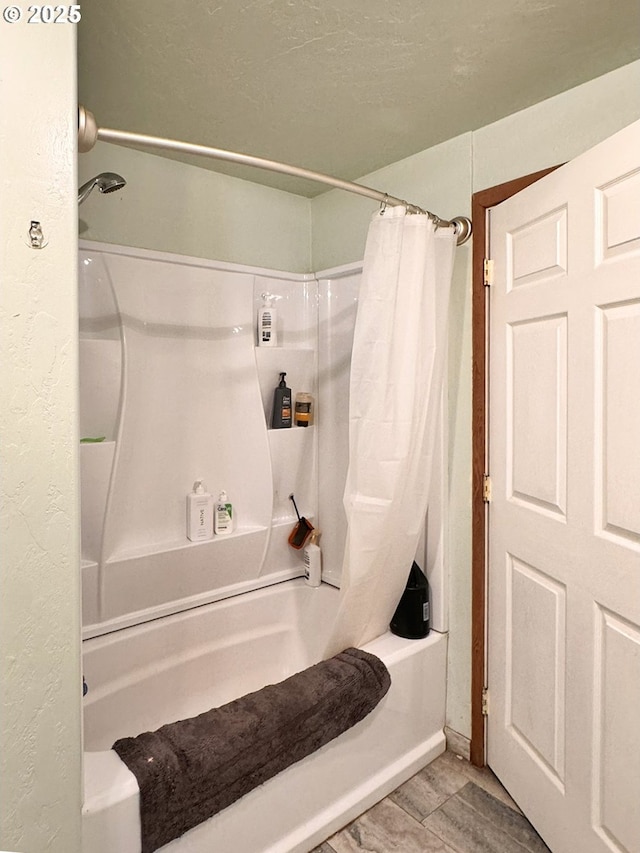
(537, 251)
(617, 455)
(615, 795)
(534, 701)
(564, 521)
(536, 395)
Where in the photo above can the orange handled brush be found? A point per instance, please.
(302, 530)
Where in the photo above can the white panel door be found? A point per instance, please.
(564, 520)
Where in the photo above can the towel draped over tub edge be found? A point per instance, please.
(189, 770)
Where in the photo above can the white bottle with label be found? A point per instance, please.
(199, 513)
(223, 520)
(267, 317)
(313, 561)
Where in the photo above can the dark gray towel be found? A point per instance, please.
(190, 770)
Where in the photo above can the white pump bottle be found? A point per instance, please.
(199, 513)
(267, 323)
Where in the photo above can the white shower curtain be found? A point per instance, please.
(395, 389)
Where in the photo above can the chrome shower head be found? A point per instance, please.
(107, 182)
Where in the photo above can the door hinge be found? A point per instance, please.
(485, 702)
(488, 272)
(486, 488)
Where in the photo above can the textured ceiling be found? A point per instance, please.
(339, 86)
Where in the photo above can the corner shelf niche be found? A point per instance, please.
(299, 363)
(294, 470)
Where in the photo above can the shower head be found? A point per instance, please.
(107, 182)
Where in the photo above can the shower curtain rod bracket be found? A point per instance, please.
(89, 133)
(87, 130)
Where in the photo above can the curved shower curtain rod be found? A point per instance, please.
(89, 133)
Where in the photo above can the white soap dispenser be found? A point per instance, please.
(199, 513)
(313, 560)
(223, 520)
(267, 323)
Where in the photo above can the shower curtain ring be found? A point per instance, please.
(383, 204)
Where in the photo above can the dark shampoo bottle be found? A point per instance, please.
(412, 618)
(281, 417)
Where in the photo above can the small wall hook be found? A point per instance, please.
(36, 237)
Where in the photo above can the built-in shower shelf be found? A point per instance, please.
(292, 427)
(182, 544)
(299, 363)
(160, 573)
(267, 352)
(283, 525)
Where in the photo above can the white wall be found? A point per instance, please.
(174, 207)
(442, 179)
(40, 678)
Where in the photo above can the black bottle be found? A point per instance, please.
(281, 417)
(412, 618)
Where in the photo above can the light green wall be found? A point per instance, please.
(174, 207)
(442, 179)
(40, 675)
(178, 208)
(545, 134)
(340, 220)
(556, 130)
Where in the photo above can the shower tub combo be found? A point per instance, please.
(174, 628)
(182, 665)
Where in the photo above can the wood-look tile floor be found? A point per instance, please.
(449, 807)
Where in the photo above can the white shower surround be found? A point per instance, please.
(184, 664)
(159, 336)
(167, 638)
(171, 376)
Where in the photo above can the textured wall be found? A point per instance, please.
(40, 777)
(438, 178)
(174, 207)
(556, 130)
(354, 85)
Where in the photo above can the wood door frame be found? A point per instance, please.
(480, 203)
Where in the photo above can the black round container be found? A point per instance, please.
(412, 618)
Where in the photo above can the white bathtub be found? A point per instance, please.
(181, 665)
